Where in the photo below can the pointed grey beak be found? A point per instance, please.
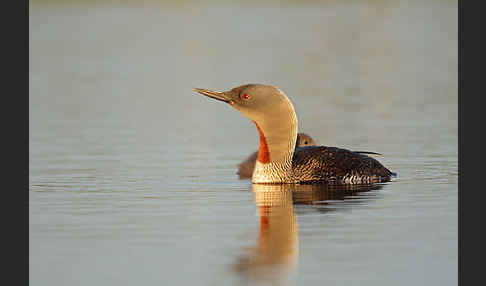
(213, 94)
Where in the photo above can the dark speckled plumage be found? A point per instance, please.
(336, 166)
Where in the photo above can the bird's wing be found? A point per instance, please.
(331, 164)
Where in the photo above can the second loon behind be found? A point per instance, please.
(279, 161)
(245, 168)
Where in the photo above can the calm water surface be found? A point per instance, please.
(133, 175)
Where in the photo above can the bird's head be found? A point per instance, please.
(258, 102)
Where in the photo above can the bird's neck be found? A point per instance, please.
(278, 136)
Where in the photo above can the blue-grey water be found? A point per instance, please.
(133, 175)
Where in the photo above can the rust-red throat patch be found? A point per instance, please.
(263, 152)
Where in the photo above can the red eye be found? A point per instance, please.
(245, 96)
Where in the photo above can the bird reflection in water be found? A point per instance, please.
(274, 257)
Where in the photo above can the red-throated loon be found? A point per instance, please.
(245, 168)
(279, 161)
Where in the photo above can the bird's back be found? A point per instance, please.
(333, 165)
